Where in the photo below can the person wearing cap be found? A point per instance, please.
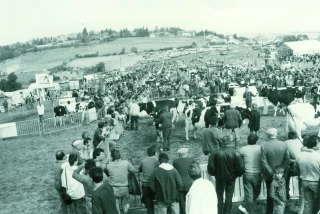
(202, 196)
(97, 136)
(226, 164)
(211, 137)
(308, 162)
(247, 95)
(147, 167)
(273, 153)
(182, 165)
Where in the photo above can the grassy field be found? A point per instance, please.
(27, 177)
(43, 60)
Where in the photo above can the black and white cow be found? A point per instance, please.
(283, 97)
(59, 113)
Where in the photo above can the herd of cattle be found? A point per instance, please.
(198, 111)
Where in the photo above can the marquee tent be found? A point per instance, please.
(300, 47)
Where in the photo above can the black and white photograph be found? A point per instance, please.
(159, 107)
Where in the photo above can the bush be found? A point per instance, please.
(32, 81)
(123, 51)
(134, 50)
(100, 67)
(114, 53)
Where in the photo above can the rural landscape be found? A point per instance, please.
(90, 66)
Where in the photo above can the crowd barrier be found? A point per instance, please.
(56, 124)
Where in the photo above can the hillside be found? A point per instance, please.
(40, 61)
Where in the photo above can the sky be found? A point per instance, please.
(22, 20)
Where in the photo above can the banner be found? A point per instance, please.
(44, 79)
(8, 130)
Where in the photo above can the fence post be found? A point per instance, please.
(39, 127)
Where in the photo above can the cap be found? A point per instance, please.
(183, 151)
(272, 132)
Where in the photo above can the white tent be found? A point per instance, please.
(304, 47)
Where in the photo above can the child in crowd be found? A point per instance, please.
(278, 191)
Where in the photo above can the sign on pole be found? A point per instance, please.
(44, 79)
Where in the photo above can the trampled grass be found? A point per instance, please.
(26, 181)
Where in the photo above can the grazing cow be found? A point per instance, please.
(302, 115)
(283, 96)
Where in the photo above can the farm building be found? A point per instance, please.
(190, 33)
(299, 48)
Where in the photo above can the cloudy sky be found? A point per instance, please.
(21, 20)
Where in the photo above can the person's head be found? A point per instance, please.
(98, 154)
(225, 141)
(89, 164)
(115, 154)
(312, 141)
(194, 171)
(87, 141)
(152, 150)
(252, 139)
(85, 134)
(272, 133)
(214, 121)
(96, 174)
(278, 172)
(183, 152)
(292, 135)
(68, 102)
(254, 106)
(73, 159)
(163, 158)
(60, 155)
(100, 125)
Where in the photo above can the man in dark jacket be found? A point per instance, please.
(233, 121)
(97, 136)
(182, 165)
(211, 137)
(254, 121)
(165, 183)
(226, 164)
(103, 199)
(165, 122)
(273, 153)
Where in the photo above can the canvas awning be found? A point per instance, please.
(304, 47)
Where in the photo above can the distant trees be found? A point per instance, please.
(100, 67)
(32, 81)
(10, 84)
(85, 36)
(293, 38)
(123, 51)
(141, 32)
(125, 33)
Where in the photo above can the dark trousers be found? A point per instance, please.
(147, 199)
(182, 201)
(249, 103)
(252, 187)
(228, 188)
(134, 122)
(166, 137)
(269, 199)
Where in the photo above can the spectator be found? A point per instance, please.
(40, 110)
(57, 180)
(103, 199)
(134, 115)
(98, 137)
(264, 94)
(118, 177)
(294, 148)
(70, 110)
(247, 95)
(273, 153)
(147, 167)
(226, 164)
(182, 165)
(197, 202)
(212, 136)
(5, 105)
(254, 121)
(84, 178)
(165, 183)
(251, 155)
(233, 121)
(99, 157)
(165, 122)
(73, 187)
(309, 165)
(278, 191)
